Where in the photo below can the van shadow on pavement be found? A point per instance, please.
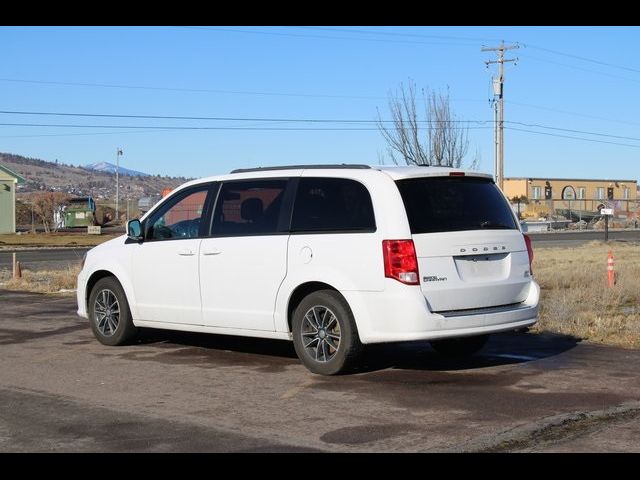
(502, 349)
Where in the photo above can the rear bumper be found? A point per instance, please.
(401, 313)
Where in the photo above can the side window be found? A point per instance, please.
(249, 208)
(332, 204)
(180, 217)
(535, 193)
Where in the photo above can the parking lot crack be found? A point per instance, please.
(549, 431)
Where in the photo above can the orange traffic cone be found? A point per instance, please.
(17, 273)
(611, 274)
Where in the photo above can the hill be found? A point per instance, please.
(41, 175)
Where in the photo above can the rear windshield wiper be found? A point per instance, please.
(495, 225)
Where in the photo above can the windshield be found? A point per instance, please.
(446, 204)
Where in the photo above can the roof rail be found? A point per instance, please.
(301, 167)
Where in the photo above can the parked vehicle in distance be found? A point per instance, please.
(329, 256)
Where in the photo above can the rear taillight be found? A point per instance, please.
(400, 261)
(527, 240)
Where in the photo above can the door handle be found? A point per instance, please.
(211, 252)
(185, 252)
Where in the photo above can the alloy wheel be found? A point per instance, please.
(320, 333)
(106, 311)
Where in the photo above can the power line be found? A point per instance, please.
(276, 120)
(584, 59)
(398, 34)
(101, 85)
(151, 129)
(119, 132)
(570, 130)
(572, 137)
(243, 119)
(184, 127)
(416, 35)
(577, 114)
(331, 37)
(190, 90)
(582, 69)
(209, 90)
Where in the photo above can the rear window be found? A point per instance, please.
(446, 204)
(332, 205)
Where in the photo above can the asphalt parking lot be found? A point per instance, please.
(60, 390)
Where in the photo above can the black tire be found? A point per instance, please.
(102, 326)
(335, 313)
(459, 347)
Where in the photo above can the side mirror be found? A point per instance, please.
(134, 230)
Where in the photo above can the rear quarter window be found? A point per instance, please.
(445, 204)
(332, 205)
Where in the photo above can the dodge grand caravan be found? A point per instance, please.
(329, 256)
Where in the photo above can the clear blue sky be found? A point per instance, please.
(575, 78)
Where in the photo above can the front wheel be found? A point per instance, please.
(459, 347)
(109, 313)
(324, 333)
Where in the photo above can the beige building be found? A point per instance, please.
(8, 182)
(548, 195)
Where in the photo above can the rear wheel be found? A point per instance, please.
(109, 313)
(324, 333)
(459, 347)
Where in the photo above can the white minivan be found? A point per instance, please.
(329, 256)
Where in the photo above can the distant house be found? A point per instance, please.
(8, 182)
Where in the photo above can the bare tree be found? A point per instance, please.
(440, 139)
(44, 207)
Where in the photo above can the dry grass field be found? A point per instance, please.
(46, 281)
(576, 300)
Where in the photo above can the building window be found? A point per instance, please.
(625, 193)
(600, 193)
(568, 193)
(582, 193)
(536, 193)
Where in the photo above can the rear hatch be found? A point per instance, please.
(471, 253)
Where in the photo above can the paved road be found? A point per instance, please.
(43, 259)
(572, 238)
(60, 390)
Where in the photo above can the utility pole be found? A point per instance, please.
(498, 104)
(118, 154)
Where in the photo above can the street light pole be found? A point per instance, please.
(118, 154)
